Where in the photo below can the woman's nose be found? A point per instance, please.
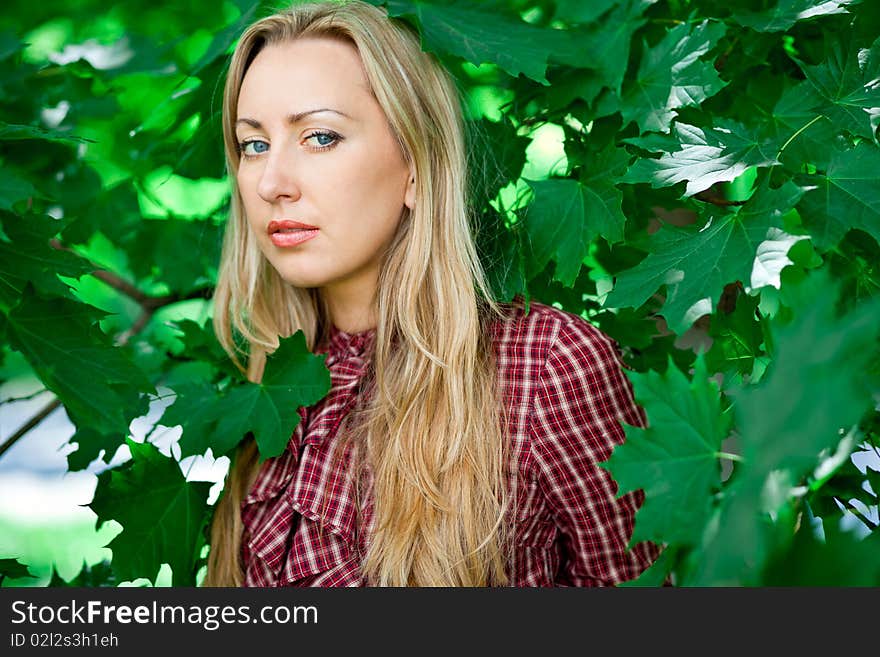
(277, 180)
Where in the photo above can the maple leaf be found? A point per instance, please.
(737, 339)
(161, 514)
(788, 12)
(220, 419)
(848, 82)
(481, 34)
(62, 342)
(706, 156)
(566, 215)
(672, 75)
(696, 264)
(675, 460)
(27, 257)
(847, 196)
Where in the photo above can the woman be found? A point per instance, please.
(459, 441)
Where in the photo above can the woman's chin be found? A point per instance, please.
(300, 282)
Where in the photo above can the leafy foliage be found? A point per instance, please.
(161, 514)
(64, 361)
(217, 419)
(681, 473)
(712, 203)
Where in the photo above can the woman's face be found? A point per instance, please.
(318, 150)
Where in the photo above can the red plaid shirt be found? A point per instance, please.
(566, 396)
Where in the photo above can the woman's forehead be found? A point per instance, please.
(301, 76)
(320, 71)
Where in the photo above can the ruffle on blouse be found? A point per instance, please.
(344, 345)
(287, 490)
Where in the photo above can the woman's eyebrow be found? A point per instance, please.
(293, 118)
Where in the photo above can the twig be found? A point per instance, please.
(25, 398)
(113, 280)
(136, 328)
(120, 285)
(30, 424)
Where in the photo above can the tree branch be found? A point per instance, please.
(136, 328)
(117, 283)
(41, 415)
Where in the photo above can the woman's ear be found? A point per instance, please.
(410, 198)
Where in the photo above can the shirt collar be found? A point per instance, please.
(342, 344)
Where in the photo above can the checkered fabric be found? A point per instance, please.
(565, 396)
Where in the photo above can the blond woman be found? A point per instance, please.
(458, 445)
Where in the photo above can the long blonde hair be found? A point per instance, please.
(432, 432)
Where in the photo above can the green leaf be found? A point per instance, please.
(227, 36)
(846, 482)
(100, 574)
(116, 215)
(14, 188)
(736, 339)
(94, 444)
(846, 197)
(797, 123)
(656, 574)
(848, 81)
(482, 34)
(28, 258)
(674, 460)
(161, 514)
(788, 12)
(566, 215)
(672, 75)
(197, 407)
(98, 383)
(13, 569)
(578, 11)
(10, 44)
(855, 261)
(181, 253)
(16, 132)
(293, 377)
(817, 383)
(696, 264)
(200, 344)
(630, 328)
(705, 157)
(604, 46)
(568, 84)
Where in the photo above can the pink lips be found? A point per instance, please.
(288, 233)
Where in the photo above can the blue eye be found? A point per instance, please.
(258, 147)
(323, 135)
(325, 140)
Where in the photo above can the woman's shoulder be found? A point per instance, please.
(543, 330)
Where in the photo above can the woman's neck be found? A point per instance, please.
(351, 317)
